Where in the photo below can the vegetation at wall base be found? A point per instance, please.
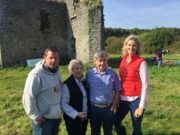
(161, 116)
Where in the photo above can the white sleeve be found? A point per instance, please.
(65, 99)
(145, 84)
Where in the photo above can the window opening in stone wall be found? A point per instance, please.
(75, 1)
(45, 24)
(73, 46)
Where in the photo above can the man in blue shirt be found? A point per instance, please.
(105, 89)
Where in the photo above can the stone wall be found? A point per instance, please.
(96, 31)
(78, 14)
(87, 24)
(27, 27)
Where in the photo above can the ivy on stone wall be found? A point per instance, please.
(92, 5)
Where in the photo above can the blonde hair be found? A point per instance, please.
(134, 38)
(74, 62)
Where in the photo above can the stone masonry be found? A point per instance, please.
(27, 27)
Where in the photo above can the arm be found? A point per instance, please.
(145, 85)
(69, 110)
(117, 88)
(115, 101)
(145, 89)
(31, 91)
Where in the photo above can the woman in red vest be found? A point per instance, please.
(133, 72)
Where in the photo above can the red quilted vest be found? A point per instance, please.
(130, 77)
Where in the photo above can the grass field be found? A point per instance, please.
(162, 116)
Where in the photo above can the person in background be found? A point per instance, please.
(42, 94)
(75, 100)
(159, 58)
(104, 85)
(133, 72)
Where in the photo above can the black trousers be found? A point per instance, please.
(76, 127)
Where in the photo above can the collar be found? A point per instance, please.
(45, 67)
(81, 80)
(133, 57)
(106, 71)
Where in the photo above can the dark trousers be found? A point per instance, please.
(76, 127)
(123, 110)
(49, 127)
(101, 116)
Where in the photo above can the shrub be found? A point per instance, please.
(114, 44)
(157, 39)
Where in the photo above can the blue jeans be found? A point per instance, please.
(99, 116)
(159, 62)
(49, 127)
(123, 110)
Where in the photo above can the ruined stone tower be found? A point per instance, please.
(27, 27)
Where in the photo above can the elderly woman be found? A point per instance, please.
(133, 72)
(74, 100)
(105, 89)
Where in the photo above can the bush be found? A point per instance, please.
(157, 39)
(114, 44)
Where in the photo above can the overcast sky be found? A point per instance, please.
(141, 13)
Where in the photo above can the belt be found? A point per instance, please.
(101, 105)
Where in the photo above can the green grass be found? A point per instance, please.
(162, 116)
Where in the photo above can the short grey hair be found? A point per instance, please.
(100, 54)
(74, 62)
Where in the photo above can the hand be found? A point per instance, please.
(138, 112)
(116, 101)
(39, 120)
(82, 115)
(113, 108)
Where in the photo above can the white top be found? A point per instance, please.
(68, 109)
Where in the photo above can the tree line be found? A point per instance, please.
(153, 39)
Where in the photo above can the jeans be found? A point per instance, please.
(124, 108)
(159, 62)
(49, 127)
(101, 116)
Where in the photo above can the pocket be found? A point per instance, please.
(35, 123)
(111, 115)
(54, 110)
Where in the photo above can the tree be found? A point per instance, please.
(157, 39)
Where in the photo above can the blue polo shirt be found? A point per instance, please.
(102, 86)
